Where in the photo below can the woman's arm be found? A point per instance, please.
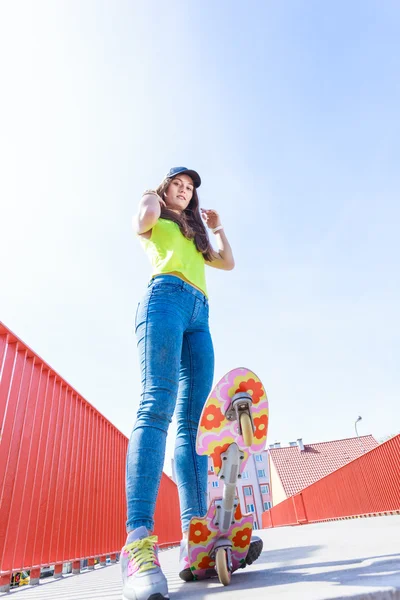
(148, 213)
(223, 257)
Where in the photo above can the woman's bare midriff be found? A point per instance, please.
(180, 276)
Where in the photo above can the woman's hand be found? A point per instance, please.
(211, 218)
(223, 257)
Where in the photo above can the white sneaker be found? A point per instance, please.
(141, 571)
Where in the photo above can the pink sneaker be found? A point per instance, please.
(184, 568)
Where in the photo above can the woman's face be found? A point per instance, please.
(179, 193)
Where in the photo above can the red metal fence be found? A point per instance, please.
(366, 486)
(62, 472)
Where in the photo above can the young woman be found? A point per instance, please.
(177, 366)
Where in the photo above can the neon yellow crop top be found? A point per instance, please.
(169, 251)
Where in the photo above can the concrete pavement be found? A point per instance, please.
(357, 558)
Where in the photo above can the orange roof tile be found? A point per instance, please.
(298, 469)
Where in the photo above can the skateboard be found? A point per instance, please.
(233, 425)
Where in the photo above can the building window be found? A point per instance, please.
(265, 488)
(259, 458)
(267, 505)
(255, 526)
(212, 468)
(261, 472)
(215, 483)
(250, 507)
(247, 490)
(245, 475)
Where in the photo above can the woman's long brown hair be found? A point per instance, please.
(190, 222)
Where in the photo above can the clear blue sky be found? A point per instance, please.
(290, 112)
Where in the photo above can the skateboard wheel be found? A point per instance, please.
(221, 565)
(247, 429)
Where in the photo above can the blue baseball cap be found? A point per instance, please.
(193, 174)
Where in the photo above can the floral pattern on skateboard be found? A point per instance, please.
(203, 534)
(215, 432)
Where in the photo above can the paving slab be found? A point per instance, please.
(358, 558)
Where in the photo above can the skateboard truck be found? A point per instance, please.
(241, 403)
(230, 473)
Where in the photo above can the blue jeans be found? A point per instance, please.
(177, 368)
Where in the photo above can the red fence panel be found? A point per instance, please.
(368, 485)
(382, 471)
(62, 471)
(283, 513)
(167, 523)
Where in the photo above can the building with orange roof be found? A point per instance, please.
(298, 465)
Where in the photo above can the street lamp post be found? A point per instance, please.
(355, 426)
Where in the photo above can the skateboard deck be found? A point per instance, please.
(214, 436)
(216, 432)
